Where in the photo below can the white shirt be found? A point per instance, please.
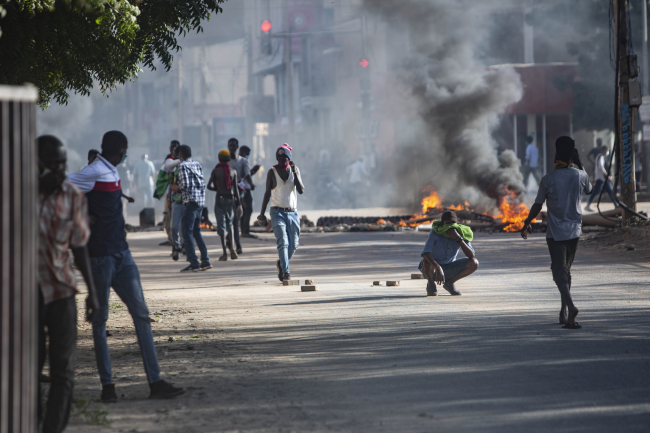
(284, 194)
(356, 170)
(143, 171)
(600, 171)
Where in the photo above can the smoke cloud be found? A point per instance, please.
(456, 100)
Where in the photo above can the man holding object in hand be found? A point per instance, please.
(561, 190)
(440, 263)
(282, 182)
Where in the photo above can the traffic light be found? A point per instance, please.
(265, 37)
(364, 75)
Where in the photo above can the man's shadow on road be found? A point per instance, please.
(357, 299)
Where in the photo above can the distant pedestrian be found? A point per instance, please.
(245, 175)
(224, 182)
(192, 188)
(561, 190)
(594, 152)
(113, 266)
(63, 225)
(144, 177)
(602, 180)
(282, 183)
(176, 199)
(440, 263)
(163, 180)
(233, 146)
(530, 163)
(92, 155)
(358, 176)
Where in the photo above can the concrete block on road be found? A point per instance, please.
(310, 288)
(309, 282)
(392, 283)
(417, 277)
(376, 283)
(291, 282)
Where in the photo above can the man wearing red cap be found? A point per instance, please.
(282, 183)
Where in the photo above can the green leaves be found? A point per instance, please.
(65, 46)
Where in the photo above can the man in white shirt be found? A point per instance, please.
(358, 173)
(144, 177)
(532, 158)
(602, 180)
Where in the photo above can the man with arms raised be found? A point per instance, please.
(440, 263)
(282, 182)
(113, 266)
(561, 190)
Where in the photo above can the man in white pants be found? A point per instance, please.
(282, 183)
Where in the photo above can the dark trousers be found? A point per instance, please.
(247, 205)
(562, 254)
(527, 171)
(60, 317)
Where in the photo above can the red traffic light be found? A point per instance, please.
(364, 63)
(266, 26)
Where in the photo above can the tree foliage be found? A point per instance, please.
(64, 46)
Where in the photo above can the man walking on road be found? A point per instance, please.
(192, 188)
(282, 182)
(440, 263)
(164, 177)
(530, 164)
(113, 266)
(63, 225)
(244, 174)
(224, 182)
(561, 190)
(233, 146)
(602, 180)
(144, 177)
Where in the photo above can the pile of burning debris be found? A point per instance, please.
(509, 218)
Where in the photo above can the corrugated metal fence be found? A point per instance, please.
(18, 259)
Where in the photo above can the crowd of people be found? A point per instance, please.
(83, 212)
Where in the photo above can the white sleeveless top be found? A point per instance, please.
(284, 193)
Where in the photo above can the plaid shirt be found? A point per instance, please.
(190, 180)
(63, 224)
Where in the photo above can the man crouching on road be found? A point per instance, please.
(440, 263)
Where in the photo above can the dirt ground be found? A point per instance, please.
(256, 356)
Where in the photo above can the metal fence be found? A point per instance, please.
(18, 259)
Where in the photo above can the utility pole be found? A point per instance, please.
(288, 72)
(181, 120)
(624, 113)
(646, 91)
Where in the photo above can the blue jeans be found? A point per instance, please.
(596, 192)
(177, 213)
(286, 228)
(191, 227)
(120, 272)
(224, 210)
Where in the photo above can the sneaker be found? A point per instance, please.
(588, 208)
(162, 389)
(175, 255)
(432, 292)
(165, 244)
(191, 268)
(280, 275)
(233, 255)
(205, 266)
(287, 277)
(108, 394)
(238, 250)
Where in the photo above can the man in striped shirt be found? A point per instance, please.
(62, 225)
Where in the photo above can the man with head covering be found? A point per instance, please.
(223, 180)
(561, 190)
(282, 182)
(440, 263)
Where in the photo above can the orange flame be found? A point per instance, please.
(513, 212)
(381, 222)
(430, 202)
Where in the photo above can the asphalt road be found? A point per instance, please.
(351, 357)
